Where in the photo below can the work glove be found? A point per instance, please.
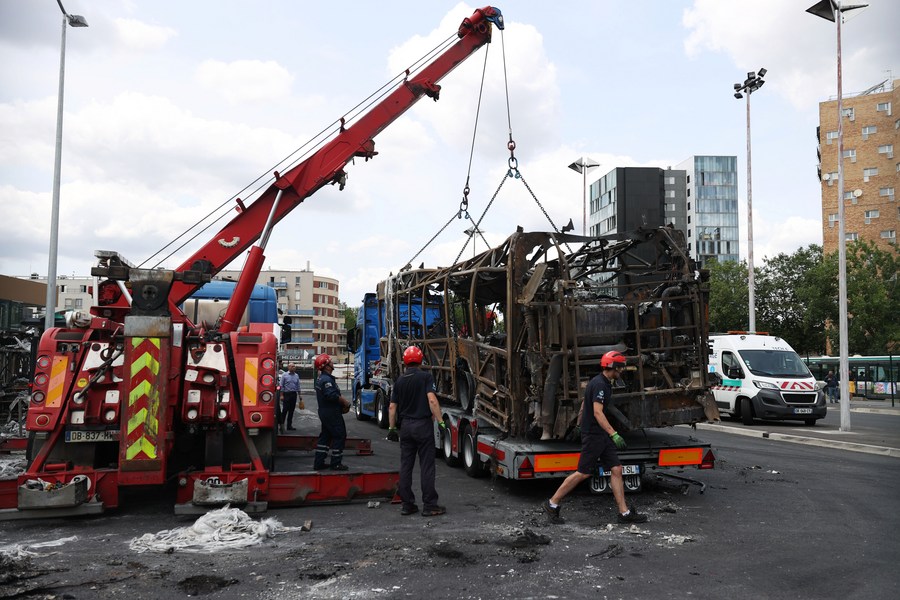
(443, 426)
(618, 441)
(392, 435)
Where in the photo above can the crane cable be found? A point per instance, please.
(294, 158)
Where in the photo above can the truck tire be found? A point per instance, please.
(746, 411)
(809, 422)
(471, 461)
(447, 447)
(382, 416)
(465, 390)
(357, 403)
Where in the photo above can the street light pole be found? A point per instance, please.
(831, 11)
(750, 85)
(583, 165)
(74, 21)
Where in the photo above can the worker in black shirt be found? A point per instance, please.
(332, 406)
(599, 441)
(413, 398)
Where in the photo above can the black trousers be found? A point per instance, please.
(417, 439)
(332, 439)
(288, 404)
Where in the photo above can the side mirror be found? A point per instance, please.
(286, 330)
(351, 339)
(735, 373)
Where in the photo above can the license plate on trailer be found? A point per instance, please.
(92, 436)
(626, 470)
(802, 411)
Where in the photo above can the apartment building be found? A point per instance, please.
(871, 167)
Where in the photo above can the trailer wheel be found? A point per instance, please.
(471, 461)
(447, 447)
(382, 417)
(746, 411)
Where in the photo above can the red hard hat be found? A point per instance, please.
(322, 361)
(413, 356)
(612, 359)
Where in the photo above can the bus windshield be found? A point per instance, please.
(775, 363)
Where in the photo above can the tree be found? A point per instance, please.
(349, 315)
(728, 296)
(873, 299)
(785, 288)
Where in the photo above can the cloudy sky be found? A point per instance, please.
(173, 107)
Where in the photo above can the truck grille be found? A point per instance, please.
(799, 398)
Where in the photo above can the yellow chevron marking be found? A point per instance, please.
(57, 381)
(251, 371)
(141, 445)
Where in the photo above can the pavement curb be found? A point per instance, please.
(809, 441)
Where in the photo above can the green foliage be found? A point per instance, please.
(728, 296)
(785, 290)
(349, 315)
(797, 298)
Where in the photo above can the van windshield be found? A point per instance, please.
(775, 363)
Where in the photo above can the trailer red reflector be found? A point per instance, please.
(526, 471)
(547, 463)
(673, 457)
(709, 460)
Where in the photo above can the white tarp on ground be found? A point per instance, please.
(221, 529)
(28, 549)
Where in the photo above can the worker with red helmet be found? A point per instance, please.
(332, 406)
(599, 443)
(413, 398)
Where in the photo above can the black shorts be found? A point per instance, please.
(597, 450)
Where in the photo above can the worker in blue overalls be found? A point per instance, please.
(332, 407)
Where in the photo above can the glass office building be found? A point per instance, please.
(711, 204)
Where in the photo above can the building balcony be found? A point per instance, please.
(301, 312)
(277, 284)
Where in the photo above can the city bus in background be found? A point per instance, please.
(871, 377)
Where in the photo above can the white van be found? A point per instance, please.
(757, 376)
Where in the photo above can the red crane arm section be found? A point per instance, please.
(324, 165)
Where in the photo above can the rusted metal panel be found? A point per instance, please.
(521, 328)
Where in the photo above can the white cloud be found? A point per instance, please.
(139, 36)
(245, 80)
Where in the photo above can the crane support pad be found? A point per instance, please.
(363, 446)
(302, 489)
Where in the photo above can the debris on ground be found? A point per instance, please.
(11, 468)
(222, 529)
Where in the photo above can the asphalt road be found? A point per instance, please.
(778, 520)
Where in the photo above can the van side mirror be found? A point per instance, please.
(735, 373)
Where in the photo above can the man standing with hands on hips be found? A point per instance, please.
(599, 443)
(413, 398)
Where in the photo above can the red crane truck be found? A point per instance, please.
(135, 394)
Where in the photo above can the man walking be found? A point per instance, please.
(290, 389)
(599, 441)
(332, 406)
(413, 398)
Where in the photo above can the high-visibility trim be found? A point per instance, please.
(546, 463)
(251, 381)
(57, 381)
(672, 457)
(142, 427)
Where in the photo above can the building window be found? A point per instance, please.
(848, 195)
(887, 149)
(849, 113)
(832, 219)
(323, 285)
(868, 130)
(884, 107)
(831, 135)
(297, 295)
(887, 192)
(871, 214)
(890, 234)
(670, 193)
(851, 154)
(870, 172)
(670, 181)
(851, 237)
(670, 207)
